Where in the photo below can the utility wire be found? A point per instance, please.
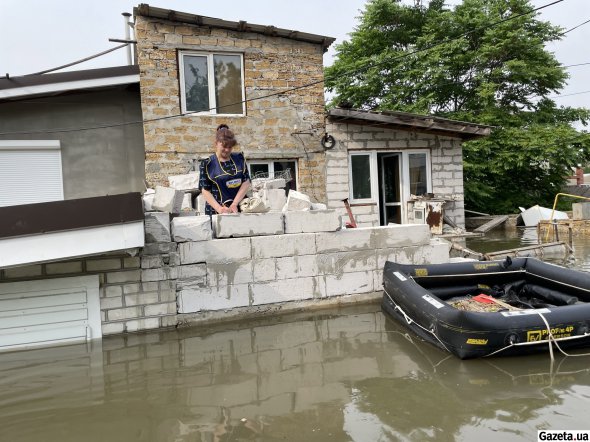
(78, 61)
(353, 72)
(575, 27)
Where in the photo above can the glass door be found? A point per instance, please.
(390, 195)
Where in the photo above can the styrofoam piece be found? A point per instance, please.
(533, 215)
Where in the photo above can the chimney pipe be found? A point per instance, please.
(126, 16)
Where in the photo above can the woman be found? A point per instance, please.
(224, 178)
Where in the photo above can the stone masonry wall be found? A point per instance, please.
(272, 65)
(127, 302)
(445, 156)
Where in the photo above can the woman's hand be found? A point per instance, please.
(233, 208)
(223, 209)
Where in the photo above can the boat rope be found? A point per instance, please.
(410, 321)
(551, 340)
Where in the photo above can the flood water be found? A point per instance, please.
(347, 374)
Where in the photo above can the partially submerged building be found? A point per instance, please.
(72, 227)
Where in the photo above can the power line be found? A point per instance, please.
(570, 95)
(314, 83)
(575, 27)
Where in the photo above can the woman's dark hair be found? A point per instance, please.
(225, 136)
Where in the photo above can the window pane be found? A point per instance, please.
(418, 173)
(281, 167)
(196, 85)
(258, 170)
(228, 84)
(361, 176)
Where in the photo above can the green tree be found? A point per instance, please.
(452, 62)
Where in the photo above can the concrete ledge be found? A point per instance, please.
(248, 224)
(262, 311)
(312, 221)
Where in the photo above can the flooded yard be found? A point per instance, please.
(340, 375)
(347, 374)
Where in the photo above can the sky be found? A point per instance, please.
(41, 34)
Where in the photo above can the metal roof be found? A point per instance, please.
(408, 121)
(146, 10)
(29, 85)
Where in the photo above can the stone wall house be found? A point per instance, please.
(204, 68)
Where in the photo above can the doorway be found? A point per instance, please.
(390, 191)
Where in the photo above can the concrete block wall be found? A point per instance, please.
(247, 272)
(445, 156)
(128, 302)
(272, 65)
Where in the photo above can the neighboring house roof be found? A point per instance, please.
(146, 10)
(49, 84)
(408, 121)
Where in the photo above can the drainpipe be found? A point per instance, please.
(126, 16)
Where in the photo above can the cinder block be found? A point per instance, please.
(187, 181)
(287, 290)
(123, 313)
(345, 262)
(192, 228)
(157, 227)
(168, 308)
(264, 270)
(109, 303)
(344, 240)
(23, 272)
(167, 199)
(213, 298)
(141, 299)
(349, 283)
(192, 271)
(125, 276)
(311, 221)
(187, 203)
(238, 272)
(159, 248)
(148, 200)
(248, 224)
(142, 324)
(215, 251)
(113, 291)
(283, 245)
(297, 201)
(401, 235)
(93, 265)
(297, 266)
(581, 210)
(132, 262)
(113, 328)
(159, 274)
(151, 261)
(274, 199)
(60, 268)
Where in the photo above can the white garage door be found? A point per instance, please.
(49, 312)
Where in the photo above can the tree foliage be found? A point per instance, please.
(483, 61)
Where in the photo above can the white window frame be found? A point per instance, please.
(211, 82)
(39, 145)
(271, 166)
(372, 176)
(405, 175)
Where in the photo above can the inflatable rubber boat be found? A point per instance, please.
(478, 308)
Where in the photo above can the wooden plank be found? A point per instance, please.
(495, 222)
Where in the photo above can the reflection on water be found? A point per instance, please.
(503, 240)
(341, 375)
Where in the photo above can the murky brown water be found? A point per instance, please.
(339, 375)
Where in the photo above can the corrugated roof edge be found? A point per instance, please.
(427, 123)
(146, 10)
